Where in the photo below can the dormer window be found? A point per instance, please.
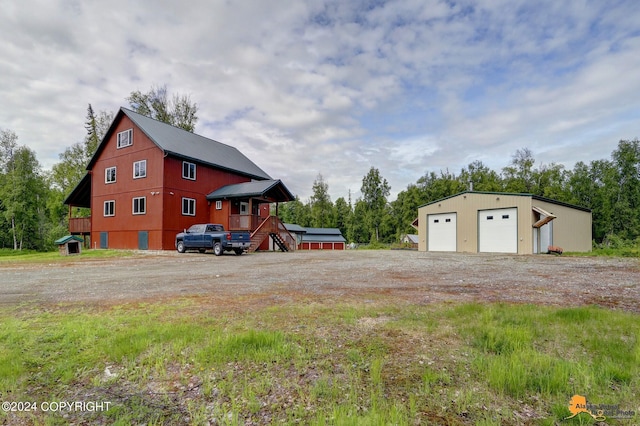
(125, 138)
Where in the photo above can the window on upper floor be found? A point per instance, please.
(125, 138)
(140, 205)
(109, 208)
(110, 175)
(188, 170)
(140, 169)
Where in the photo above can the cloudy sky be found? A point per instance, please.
(336, 86)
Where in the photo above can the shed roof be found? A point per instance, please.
(264, 188)
(68, 238)
(180, 143)
(323, 235)
(291, 227)
(413, 238)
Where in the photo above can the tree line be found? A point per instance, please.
(609, 187)
(33, 216)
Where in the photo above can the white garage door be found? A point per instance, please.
(441, 232)
(498, 230)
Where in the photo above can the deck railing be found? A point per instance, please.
(80, 225)
(244, 222)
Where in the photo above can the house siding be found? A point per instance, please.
(163, 188)
(122, 228)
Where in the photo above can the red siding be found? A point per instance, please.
(176, 188)
(124, 226)
(322, 246)
(163, 189)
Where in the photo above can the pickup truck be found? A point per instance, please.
(207, 236)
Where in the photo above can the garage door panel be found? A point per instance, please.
(498, 231)
(442, 232)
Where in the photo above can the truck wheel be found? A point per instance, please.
(217, 249)
(238, 251)
(180, 247)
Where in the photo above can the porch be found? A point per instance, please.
(80, 225)
(247, 207)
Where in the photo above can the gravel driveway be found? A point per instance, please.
(268, 278)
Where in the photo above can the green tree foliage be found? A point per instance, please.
(375, 190)
(344, 215)
(295, 212)
(626, 163)
(178, 110)
(519, 175)
(23, 192)
(322, 211)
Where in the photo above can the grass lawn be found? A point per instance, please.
(371, 363)
(8, 256)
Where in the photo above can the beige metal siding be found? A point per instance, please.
(467, 205)
(571, 227)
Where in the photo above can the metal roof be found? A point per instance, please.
(190, 146)
(323, 235)
(81, 194)
(68, 238)
(262, 188)
(517, 194)
(317, 238)
(291, 227)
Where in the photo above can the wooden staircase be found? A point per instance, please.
(272, 227)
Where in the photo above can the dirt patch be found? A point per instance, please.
(262, 279)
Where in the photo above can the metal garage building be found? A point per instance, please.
(490, 222)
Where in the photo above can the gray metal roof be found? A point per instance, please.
(323, 235)
(518, 194)
(316, 238)
(291, 227)
(190, 146)
(274, 188)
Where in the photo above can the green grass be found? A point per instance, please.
(301, 363)
(30, 256)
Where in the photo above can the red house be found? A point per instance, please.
(149, 180)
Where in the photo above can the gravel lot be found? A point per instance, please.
(323, 276)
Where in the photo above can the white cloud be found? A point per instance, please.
(336, 87)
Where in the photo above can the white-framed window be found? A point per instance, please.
(125, 138)
(188, 170)
(140, 169)
(244, 208)
(110, 175)
(188, 206)
(219, 205)
(139, 205)
(109, 208)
